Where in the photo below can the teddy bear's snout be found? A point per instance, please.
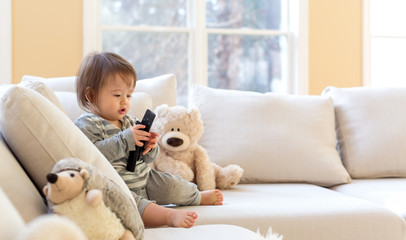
(52, 178)
(174, 142)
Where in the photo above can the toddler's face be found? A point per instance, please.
(114, 99)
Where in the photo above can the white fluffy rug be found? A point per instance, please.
(269, 236)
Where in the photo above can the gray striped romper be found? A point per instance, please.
(146, 184)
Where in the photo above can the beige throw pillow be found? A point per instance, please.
(274, 137)
(39, 134)
(371, 130)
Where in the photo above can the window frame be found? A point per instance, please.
(297, 39)
(366, 43)
(5, 42)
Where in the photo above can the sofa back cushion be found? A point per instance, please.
(40, 134)
(11, 223)
(274, 137)
(148, 93)
(18, 187)
(371, 126)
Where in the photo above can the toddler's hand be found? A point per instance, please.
(151, 143)
(150, 138)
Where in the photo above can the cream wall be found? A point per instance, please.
(46, 37)
(335, 44)
(47, 40)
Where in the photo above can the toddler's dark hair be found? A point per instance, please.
(94, 72)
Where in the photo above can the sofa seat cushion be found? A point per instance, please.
(203, 232)
(388, 192)
(297, 210)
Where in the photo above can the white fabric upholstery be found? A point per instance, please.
(18, 187)
(140, 102)
(206, 232)
(11, 225)
(302, 211)
(371, 123)
(273, 137)
(39, 134)
(162, 89)
(388, 192)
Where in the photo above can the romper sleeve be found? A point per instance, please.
(113, 148)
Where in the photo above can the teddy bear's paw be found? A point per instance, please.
(229, 176)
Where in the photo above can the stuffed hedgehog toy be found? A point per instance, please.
(96, 204)
(179, 130)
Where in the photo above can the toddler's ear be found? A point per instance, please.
(89, 94)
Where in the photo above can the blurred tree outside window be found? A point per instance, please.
(228, 44)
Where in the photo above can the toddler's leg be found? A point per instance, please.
(155, 216)
(165, 188)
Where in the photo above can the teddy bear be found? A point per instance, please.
(82, 193)
(179, 130)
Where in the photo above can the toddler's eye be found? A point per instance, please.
(172, 129)
(116, 95)
(178, 129)
(72, 175)
(129, 96)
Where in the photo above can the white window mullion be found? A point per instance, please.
(366, 46)
(91, 26)
(5, 42)
(298, 79)
(200, 43)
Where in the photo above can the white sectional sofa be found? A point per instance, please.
(297, 179)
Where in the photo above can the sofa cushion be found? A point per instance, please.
(140, 102)
(213, 232)
(45, 91)
(162, 89)
(18, 186)
(302, 211)
(274, 137)
(11, 222)
(39, 134)
(371, 123)
(388, 192)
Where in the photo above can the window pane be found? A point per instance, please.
(251, 63)
(388, 58)
(256, 14)
(153, 54)
(144, 12)
(388, 17)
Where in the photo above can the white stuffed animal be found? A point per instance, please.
(179, 130)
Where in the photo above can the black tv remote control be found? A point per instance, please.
(147, 121)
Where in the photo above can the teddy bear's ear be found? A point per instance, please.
(84, 173)
(161, 110)
(194, 114)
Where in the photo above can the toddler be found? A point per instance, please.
(104, 87)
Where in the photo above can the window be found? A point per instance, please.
(241, 44)
(5, 42)
(384, 43)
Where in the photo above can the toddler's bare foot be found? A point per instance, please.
(211, 197)
(181, 218)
